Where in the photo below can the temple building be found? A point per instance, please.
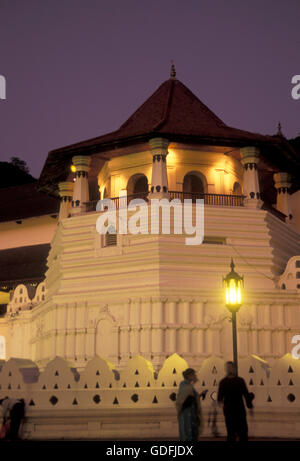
(127, 312)
(76, 294)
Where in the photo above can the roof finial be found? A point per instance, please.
(173, 71)
(279, 132)
(232, 265)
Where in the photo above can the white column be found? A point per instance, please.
(159, 182)
(146, 341)
(250, 158)
(65, 190)
(171, 340)
(81, 184)
(282, 184)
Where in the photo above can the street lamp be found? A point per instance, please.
(233, 284)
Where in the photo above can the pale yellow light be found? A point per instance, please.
(73, 168)
(4, 297)
(233, 293)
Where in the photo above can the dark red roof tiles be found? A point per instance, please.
(172, 111)
(25, 201)
(23, 264)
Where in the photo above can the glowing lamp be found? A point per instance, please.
(73, 168)
(233, 284)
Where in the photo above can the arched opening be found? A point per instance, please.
(2, 348)
(138, 186)
(237, 190)
(193, 186)
(106, 341)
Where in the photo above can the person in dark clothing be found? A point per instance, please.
(188, 407)
(17, 414)
(232, 390)
(13, 411)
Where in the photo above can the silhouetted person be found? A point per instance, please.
(188, 407)
(13, 411)
(232, 390)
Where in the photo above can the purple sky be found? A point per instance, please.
(77, 69)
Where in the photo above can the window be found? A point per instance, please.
(214, 240)
(111, 237)
(297, 263)
(298, 275)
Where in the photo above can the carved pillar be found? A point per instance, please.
(170, 340)
(159, 182)
(249, 159)
(282, 184)
(146, 341)
(81, 185)
(65, 190)
(125, 333)
(124, 343)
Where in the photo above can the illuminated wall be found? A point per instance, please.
(219, 171)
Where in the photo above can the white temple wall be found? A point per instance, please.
(108, 331)
(135, 402)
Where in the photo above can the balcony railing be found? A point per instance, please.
(209, 199)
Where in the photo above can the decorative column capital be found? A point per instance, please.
(159, 182)
(82, 163)
(65, 189)
(283, 181)
(81, 186)
(159, 146)
(249, 155)
(251, 192)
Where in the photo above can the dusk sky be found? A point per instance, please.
(76, 69)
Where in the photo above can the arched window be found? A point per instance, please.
(138, 186)
(193, 185)
(2, 348)
(237, 190)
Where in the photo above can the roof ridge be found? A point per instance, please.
(141, 107)
(206, 109)
(168, 106)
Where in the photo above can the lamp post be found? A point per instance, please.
(233, 284)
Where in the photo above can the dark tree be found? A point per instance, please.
(21, 164)
(13, 175)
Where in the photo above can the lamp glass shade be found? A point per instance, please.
(233, 293)
(233, 284)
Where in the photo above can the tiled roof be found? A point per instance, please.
(25, 201)
(172, 111)
(23, 264)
